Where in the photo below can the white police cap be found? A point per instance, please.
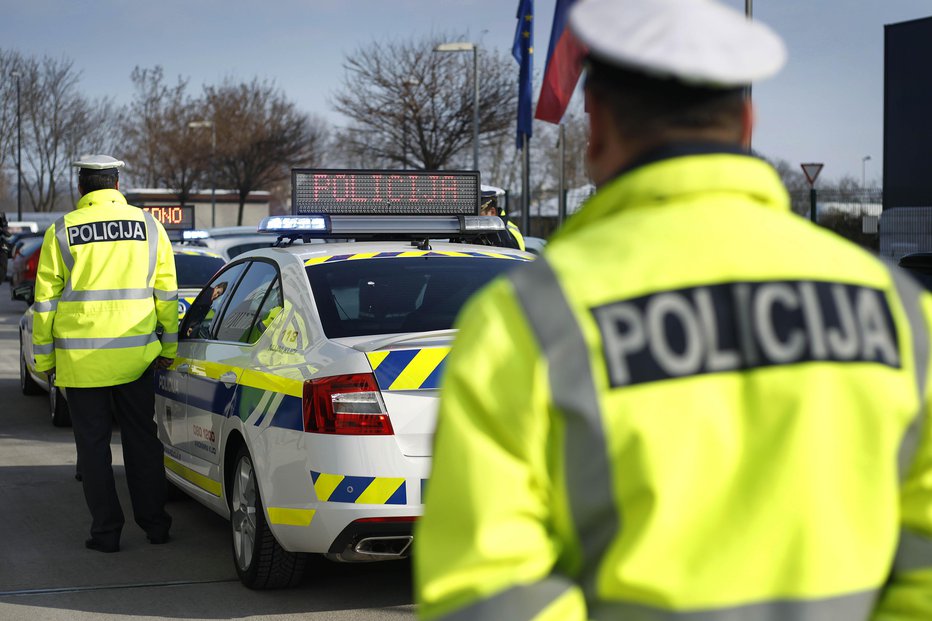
(97, 162)
(699, 42)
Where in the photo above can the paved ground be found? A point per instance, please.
(47, 574)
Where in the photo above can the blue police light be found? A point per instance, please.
(284, 225)
(195, 234)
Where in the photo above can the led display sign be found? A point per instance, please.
(384, 192)
(173, 217)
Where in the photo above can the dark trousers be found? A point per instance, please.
(91, 419)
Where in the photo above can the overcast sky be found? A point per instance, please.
(825, 106)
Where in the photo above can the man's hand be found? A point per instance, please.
(163, 363)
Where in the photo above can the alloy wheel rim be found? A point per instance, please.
(243, 513)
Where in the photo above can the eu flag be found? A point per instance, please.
(523, 51)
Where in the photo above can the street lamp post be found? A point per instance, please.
(863, 171)
(19, 152)
(213, 166)
(465, 46)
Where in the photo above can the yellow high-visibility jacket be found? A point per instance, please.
(516, 233)
(696, 406)
(106, 280)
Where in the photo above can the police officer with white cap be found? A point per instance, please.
(713, 409)
(105, 314)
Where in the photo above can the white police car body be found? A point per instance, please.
(303, 399)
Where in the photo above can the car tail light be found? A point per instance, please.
(32, 266)
(345, 404)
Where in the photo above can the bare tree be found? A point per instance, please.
(9, 61)
(260, 136)
(162, 150)
(412, 107)
(58, 124)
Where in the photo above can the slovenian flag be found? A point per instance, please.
(564, 64)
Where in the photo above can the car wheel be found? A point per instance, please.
(261, 562)
(58, 405)
(26, 383)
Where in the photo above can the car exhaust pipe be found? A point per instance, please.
(385, 547)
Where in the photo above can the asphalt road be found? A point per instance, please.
(47, 574)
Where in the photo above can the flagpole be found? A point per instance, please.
(526, 187)
(749, 13)
(561, 201)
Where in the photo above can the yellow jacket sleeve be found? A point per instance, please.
(165, 291)
(51, 276)
(485, 546)
(907, 596)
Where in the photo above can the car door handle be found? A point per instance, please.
(183, 368)
(228, 378)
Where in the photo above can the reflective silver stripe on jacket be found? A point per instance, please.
(45, 307)
(588, 471)
(165, 296)
(119, 342)
(169, 337)
(38, 350)
(62, 235)
(152, 234)
(107, 295)
(518, 603)
(910, 291)
(846, 607)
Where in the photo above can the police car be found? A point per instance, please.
(302, 403)
(193, 266)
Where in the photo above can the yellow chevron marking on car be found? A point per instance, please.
(409, 254)
(359, 490)
(208, 485)
(408, 369)
(290, 517)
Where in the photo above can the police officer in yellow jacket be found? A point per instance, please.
(105, 285)
(697, 405)
(511, 237)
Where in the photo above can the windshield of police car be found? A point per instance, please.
(388, 296)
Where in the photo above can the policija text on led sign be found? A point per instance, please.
(385, 192)
(173, 218)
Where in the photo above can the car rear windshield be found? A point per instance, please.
(195, 270)
(387, 296)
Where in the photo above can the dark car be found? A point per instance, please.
(24, 262)
(919, 264)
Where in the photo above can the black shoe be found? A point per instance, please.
(158, 539)
(78, 477)
(93, 544)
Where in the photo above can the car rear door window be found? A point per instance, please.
(241, 314)
(198, 321)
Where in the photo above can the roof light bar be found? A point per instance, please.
(195, 234)
(296, 225)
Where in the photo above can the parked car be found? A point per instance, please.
(534, 244)
(194, 267)
(24, 262)
(919, 264)
(228, 242)
(302, 402)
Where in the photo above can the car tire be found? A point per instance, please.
(26, 383)
(260, 561)
(58, 405)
